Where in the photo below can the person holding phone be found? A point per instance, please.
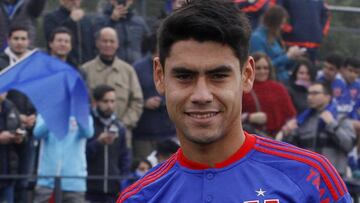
(106, 153)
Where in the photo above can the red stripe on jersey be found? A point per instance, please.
(328, 164)
(304, 160)
(245, 148)
(134, 188)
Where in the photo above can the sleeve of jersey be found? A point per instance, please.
(323, 184)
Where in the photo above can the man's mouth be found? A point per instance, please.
(202, 115)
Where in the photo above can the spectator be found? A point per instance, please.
(330, 74)
(11, 135)
(139, 169)
(254, 9)
(267, 38)
(318, 129)
(60, 45)
(309, 21)
(350, 96)
(300, 80)
(148, 133)
(16, 13)
(268, 105)
(108, 69)
(130, 28)
(72, 16)
(18, 42)
(106, 152)
(62, 157)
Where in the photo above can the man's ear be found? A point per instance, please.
(248, 74)
(159, 76)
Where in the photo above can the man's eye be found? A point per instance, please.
(184, 76)
(219, 76)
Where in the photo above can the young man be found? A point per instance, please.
(106, 152)
(203, 70)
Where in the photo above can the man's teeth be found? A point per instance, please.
(202, 115)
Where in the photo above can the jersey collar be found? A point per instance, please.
(244, 149)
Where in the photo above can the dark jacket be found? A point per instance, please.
(298, 96)
(106, 160)
(83, 33)
(148, 126)
(9, 121)
(130, 30)
(25, 13)
(309, 21)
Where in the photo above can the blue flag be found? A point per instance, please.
(54, 87)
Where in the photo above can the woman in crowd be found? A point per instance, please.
(268, 105)
(267, 38)
(301, 78)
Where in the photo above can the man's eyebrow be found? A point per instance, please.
(219, 69)
(178, 70)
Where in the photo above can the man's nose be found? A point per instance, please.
(201, 94)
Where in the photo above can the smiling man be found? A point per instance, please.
(203, 69)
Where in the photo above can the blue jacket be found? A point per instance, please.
(262, 170)
(64, 157)
(279, 59)
(148, 125)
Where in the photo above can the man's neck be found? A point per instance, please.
(108, 60)
(214, 153)
(61, 57)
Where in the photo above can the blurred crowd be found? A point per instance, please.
(296, 97)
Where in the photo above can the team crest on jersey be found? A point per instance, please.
(261, 193)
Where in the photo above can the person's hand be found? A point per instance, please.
(6, 137)
(77, 14)
(258, 118)
(327, 117)
(119, 12)
(106, 138)
(289, 126)
(153, 102)
(19, 136)
(295, 52)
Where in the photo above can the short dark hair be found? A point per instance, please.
(17, 27)
(327, 88)
(352, 61)
(60, 30)
(274, 17)
(100, 90)
(335, 59)
(204, 20)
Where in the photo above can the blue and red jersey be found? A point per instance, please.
(261, 171)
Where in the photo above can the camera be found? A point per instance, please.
(113, 130)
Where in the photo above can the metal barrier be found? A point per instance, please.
(57, 181)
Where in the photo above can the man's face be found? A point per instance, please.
(70, 4)
(107, 104)
(107, 43)
(330, 71)
(317, 99)
(203, 86)
(61, 45)
(351, 74)
(19, 42)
